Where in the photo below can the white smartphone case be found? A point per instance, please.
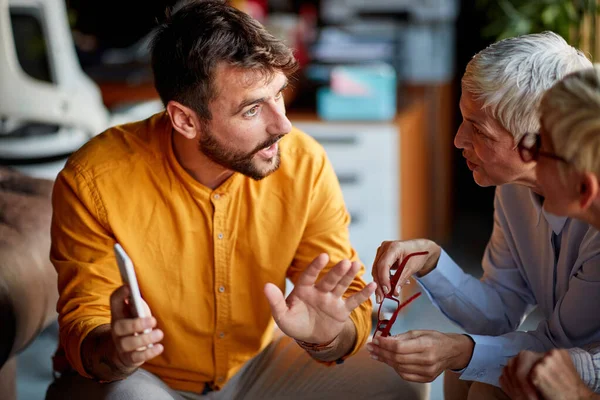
(129, 278)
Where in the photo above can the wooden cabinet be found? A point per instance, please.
(422, 154)
(365, 159)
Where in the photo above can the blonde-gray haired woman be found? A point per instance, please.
(567, 152)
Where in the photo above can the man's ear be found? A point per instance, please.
(588, 189)
(184, 119)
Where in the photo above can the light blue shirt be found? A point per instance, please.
(521, 271)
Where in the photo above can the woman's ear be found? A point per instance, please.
(184, 120)
(588, 189)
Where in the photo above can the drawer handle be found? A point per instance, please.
(337, 140)
(354, 218)
(348, 179)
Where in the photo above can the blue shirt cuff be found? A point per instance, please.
(486, 363)
(443, 279)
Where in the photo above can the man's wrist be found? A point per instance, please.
(317, 347)
(339, 347)
(464, 348)
(99, 356)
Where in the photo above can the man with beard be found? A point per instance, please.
(214, 222)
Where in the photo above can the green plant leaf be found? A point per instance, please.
(550, 14)
(523, 26)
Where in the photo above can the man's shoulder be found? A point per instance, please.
(303, 160)
(119, 147)
(301, 152)
(300, 144)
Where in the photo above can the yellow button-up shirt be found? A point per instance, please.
(202, 256)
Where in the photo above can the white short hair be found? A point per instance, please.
(570, 114)
(509, 77)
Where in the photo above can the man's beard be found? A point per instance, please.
(239, 162)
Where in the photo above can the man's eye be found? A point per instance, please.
(279, 95)
(251, 112)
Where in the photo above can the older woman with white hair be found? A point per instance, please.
(567, 156)
(533, 258)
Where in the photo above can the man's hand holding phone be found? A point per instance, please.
(136, 339)
(132, 323)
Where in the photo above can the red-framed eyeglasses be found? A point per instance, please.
(385, 325)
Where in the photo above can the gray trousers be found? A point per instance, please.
(282, 371)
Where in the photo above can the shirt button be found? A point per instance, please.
(221, 289)
(220, 236)
(222, 335)
(217, 196)
(220, 379)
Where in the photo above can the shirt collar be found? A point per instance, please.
(556, 223)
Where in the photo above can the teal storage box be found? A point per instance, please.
(359, 92)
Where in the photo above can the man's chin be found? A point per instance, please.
(263, 168)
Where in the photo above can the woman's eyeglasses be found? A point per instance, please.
(530, 149)
(384, 325)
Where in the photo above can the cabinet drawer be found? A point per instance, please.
(365, 158)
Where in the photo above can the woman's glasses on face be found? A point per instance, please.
(530, 149)
(384, 325)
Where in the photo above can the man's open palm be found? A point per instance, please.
(315, 312)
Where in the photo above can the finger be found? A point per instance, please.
(517, 381)
(346, 280)
(118, 308)
(357, 299)
(415, 378)
(409, 376)
(146, 308)
(129, 326)
(378, 294)
(504, 385)
(389, 255)
(136, 358)
(378, 291)
(523, 381)
(413, 265)
(509, 370)
(405, 359)
(331, 279)
(405, 343)
(380, 251)
(519, 368)
(539, 377)
(310, 275)
(131, 343)
(276, 301)
(429, 372)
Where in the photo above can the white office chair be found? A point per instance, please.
(59, 109)
(48, 106)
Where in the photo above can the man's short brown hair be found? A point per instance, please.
(198, 35)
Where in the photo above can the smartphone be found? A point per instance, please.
(129, 278)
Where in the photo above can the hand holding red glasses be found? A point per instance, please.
(390, 252)
(384, 325)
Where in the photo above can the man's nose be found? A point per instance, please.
(280, 124)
